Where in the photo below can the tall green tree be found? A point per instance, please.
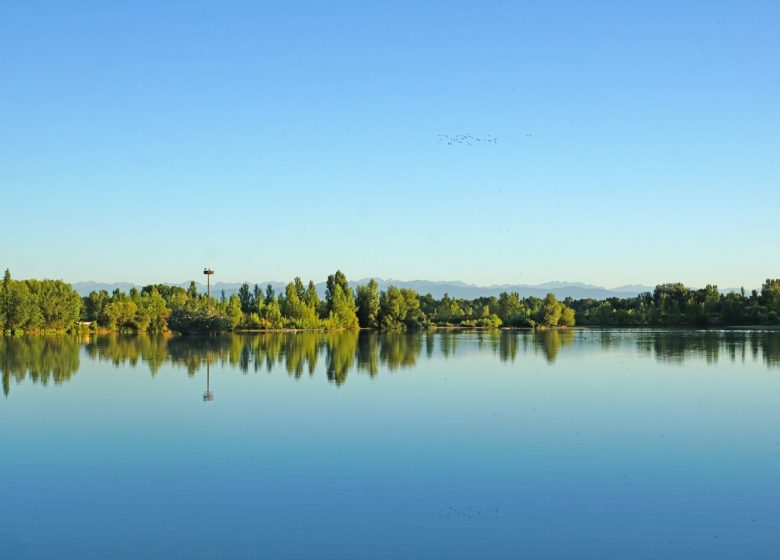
(343, 311)
(270, 294)
(192, 291)
(392, 309)
(311, 297)
(294, 306)
(17, 304)
(300, 290)
(567, 317)
(770, 294)
(153, 312)
(4, 287)
(121, 314)
(511, 309)
(246, 298)
(257, 296)
(550, 312)
(235, 310)
(58, 303)
(368, 304)
(272, 314)
(94, 304)
(334, 280)
(414, 315)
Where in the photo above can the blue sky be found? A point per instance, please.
(637, 142)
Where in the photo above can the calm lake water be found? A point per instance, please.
(584, 444)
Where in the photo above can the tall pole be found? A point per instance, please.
(208, 272)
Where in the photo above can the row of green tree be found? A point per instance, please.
(39, 305)
(299, 307)
(677, 305)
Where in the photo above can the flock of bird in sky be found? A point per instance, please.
(468, 139)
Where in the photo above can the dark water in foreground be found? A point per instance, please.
(586, 444)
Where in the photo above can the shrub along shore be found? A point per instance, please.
(54, 306)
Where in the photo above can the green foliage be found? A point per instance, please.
(311, 298)
(257, 296)
(492, 321)
(188, 321)
(17, 306)
(512, 310)
(299, 308)
(392, 306)
(246, 298)
(153, 312)
(121, 314)
(450, 310)
(400, 310)
(342, 309)
(272, 315)
(415, 318)
(41, 305)
(770, 296)
(269, 294)
(368, 303)
(235, 312)
(676, 305)
(95, 304)
(336, 280)
(549, 314)
(567, 317)
(38, 305)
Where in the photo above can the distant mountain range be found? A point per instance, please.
(456, 289)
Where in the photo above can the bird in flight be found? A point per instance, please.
(468, 139)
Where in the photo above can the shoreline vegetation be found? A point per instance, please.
(53, 306)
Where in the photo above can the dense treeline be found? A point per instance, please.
(299, 307)
(677, 305)
(39, 305)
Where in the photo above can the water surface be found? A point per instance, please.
(584, 444)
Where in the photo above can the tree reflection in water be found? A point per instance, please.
(41, 359)
(55, 359)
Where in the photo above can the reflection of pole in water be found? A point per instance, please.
(208, 395)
